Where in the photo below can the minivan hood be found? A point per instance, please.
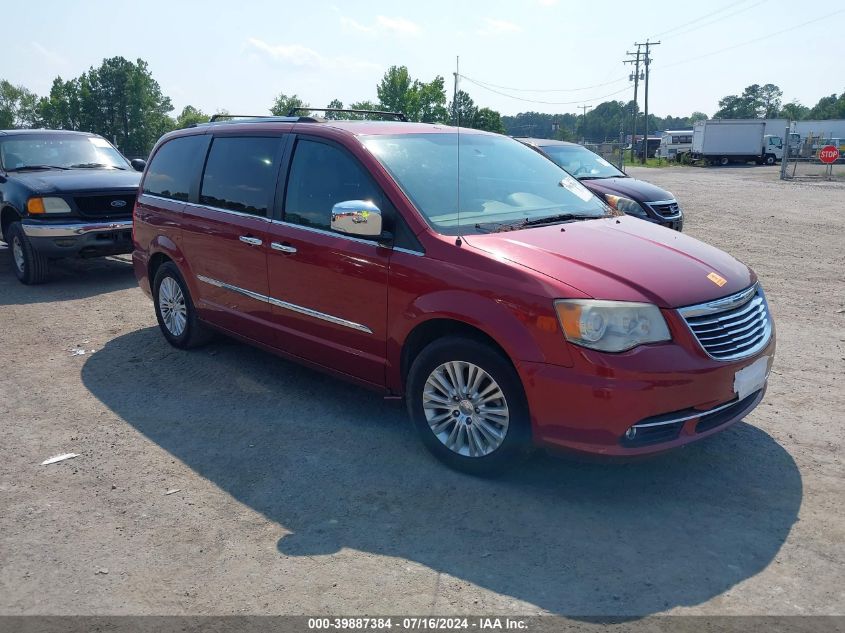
(623, 259)
(638, 190)
(76, 180)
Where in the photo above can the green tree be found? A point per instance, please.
(419, 101)
(831, 107)
(770, 101)
(462, 109)
(756, 101)
(121, 101)
(62, 110)
(430, 101)
(364, 105)
(697, 116)
(18, 107)
(395, 92)
(283, 104)
(794, 111)
(190, 116)
(338, 104)
(490, 120)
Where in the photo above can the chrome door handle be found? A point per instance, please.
(252, 241)
(285, 248)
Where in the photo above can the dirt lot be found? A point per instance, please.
(301, 494)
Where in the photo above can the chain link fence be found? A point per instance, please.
(801, 159)
(611, 151)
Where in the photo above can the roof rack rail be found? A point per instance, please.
(399, 116)
(217, 118)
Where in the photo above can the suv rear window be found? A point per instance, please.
(240, 174)
(174, 167)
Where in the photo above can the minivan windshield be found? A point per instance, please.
(59, 151)
(581, 162)
(502, 182)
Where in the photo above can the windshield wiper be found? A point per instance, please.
(549, 219)
(28, 167)
(595, 177)
(94, 166)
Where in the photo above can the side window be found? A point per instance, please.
(320, 176)
(174, 167)
(240, 174)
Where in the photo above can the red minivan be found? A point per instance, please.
(460, 270)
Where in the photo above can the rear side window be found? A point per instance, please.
(240, 174)
(174, 167)
(322, 175)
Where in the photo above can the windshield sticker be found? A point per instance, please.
(572, 185)
(98, 142)
(602, 161)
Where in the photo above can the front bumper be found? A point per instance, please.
(672, 393)
(79, 239)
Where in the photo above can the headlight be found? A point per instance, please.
(611, 326)
(625, 205)
(38, 206)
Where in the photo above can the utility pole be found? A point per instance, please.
(647, 62)
(584, 109)
(635, 77)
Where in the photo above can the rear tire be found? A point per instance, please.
(468, 406)
(30, 266)
(724, 161)
(175, 310)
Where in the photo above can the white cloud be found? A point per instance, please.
(48, 55)
(492, 26)
(547, 3)
(304, 57)
(383, 24)
(400, 26)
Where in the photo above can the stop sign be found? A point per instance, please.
(828, 154)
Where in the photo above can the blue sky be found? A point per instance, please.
(238, 55)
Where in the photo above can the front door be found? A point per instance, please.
(329, 291)
(224, 235)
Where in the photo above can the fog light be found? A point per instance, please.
(631, 433)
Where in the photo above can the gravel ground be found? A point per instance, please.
(300, 494)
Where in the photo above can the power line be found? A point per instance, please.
(719, 19)
(509, 96)
(754, 41)
(730, 5)
(488, 84)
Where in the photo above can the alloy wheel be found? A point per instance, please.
(465, 409)
(171, 303)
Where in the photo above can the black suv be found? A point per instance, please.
(63, 194)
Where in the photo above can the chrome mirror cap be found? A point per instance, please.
(357, 217)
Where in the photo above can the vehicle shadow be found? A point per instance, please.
(69, 279)
(339, 467)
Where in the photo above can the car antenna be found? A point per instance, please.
(458, 240)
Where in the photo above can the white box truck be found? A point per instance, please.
(723, 141)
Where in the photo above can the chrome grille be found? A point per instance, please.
(665, 208)
(731, 328)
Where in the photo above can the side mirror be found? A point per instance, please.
(138, 164)
(357, 217)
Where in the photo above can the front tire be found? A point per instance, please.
(30, 266)
(770, 159)
(468, 406)
(175, 310)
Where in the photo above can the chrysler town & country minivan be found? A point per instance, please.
(462, 271)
